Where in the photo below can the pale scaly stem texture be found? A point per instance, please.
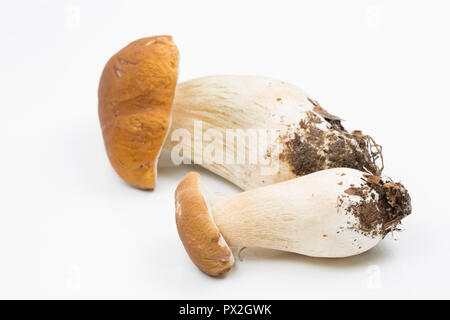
(331, 213)
(294, 135)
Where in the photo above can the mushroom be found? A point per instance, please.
(331, 213)
(139, 101)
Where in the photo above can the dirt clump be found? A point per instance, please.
(313, 148)
(382, 206)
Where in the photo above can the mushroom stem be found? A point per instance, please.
(287, 133)
(332, 213)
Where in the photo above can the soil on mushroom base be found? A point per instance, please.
(312, 149)
(378, 215)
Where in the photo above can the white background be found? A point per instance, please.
(70, 228)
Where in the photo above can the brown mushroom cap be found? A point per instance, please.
(198, 232)
(135, 97)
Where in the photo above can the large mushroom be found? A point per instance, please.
(332, 213)
(139, 101)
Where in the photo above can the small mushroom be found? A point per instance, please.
(314, 215)
(139, 101)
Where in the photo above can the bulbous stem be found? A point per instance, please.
(312, 215)
(280, 133)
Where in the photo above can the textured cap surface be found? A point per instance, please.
(198, 232)
(135, 95)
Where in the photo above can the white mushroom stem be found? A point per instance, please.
(314, 215)
(256, 105)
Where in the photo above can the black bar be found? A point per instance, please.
(191, 309)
